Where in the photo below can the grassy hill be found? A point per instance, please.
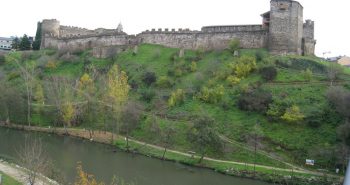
(237, 104)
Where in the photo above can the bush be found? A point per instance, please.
(212, 95)
(268, 73)
(234, 45)
(149, 78)
(233, 80)
(147, 95)
(176, 98)
(259, 55)
(307, 74)
(13, 75)
(256, 100)
(293, 114)
(193, 66)
(164, 82)
(243, 66)
(51, 65)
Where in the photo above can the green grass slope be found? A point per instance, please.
(292, 142)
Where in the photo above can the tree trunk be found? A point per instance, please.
(65, 129)
(127, 143)
(201, 159)
(28, 106)
(164, 153)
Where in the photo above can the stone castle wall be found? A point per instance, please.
(87, 42)
(207, 40)
(282, 32)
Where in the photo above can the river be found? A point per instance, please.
(100, 160)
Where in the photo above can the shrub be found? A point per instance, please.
(268, 73)
(212, 95)
(256, 100)
(307, 74)
(149, 78)
(51, 65)
(233, 80)
(176, 98)
(164, 82)
(178, 72)
(243, 66)
(277, 109)
(234, 45)
(193, 66)
(147, 95)
(259, 55)
(12, 75)
(293, 114)
(2, 59)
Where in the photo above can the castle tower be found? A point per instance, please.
(120, 27)
(309, 41)
(50, 27)
(285, 27)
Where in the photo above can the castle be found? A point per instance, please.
(282, 32)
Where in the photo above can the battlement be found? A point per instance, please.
(233, 28)
(169, 31)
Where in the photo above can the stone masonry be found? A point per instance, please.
(282, 32)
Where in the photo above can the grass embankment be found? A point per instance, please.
(248, 170)
(7, 180)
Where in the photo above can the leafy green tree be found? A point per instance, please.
(37, 42)
(293, 114)
(24, 43)
(204, 137)
(117, 91)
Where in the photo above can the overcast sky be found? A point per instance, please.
(20, 16)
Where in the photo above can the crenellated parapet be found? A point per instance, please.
(168, 31)
(233, 28)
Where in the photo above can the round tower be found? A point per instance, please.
(50, 27)
(286, 27)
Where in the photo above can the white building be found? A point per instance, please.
(5, 43)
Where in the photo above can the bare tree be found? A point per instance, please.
(32, 156)
(168, 137)
(28, 72)
(131, 117)
(62, 94)
(333, 72)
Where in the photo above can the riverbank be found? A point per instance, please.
(265, 173)
(19, 174)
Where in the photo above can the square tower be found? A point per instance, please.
(285, 27)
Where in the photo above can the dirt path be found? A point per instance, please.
(19, 174)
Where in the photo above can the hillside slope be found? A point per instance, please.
(277, 104)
